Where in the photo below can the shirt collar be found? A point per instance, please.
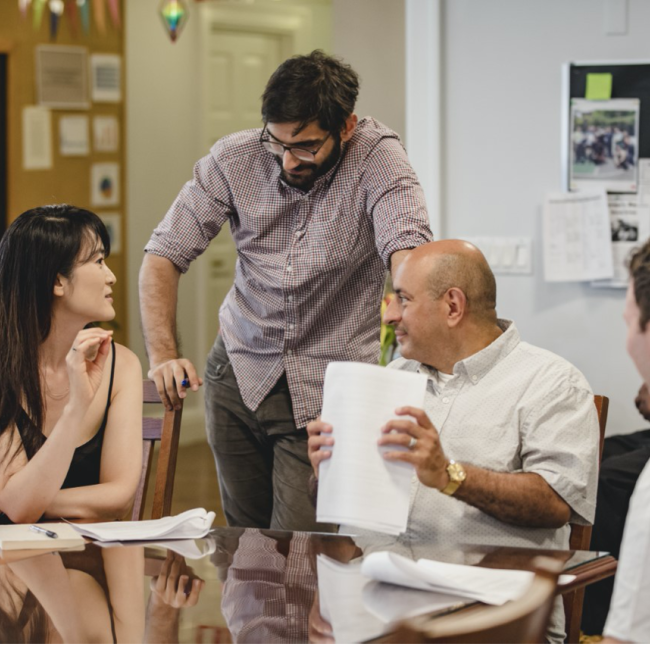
(479, 364)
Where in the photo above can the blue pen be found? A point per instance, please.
(185, 383)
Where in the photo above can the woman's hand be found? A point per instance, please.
(85, 362)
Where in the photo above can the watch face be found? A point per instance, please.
(456, 472)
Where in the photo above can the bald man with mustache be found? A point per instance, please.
(505, 450)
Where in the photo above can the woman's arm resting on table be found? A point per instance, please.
(121, 452)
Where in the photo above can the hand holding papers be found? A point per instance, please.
(187, 525)
(356, 485)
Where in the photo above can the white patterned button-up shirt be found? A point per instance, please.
(311, 265)
(511, 407)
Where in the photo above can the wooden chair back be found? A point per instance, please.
(581, 538)
(520, 621)
(165, 430)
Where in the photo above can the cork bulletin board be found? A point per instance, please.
(69, 179)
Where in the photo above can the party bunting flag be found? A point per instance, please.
(100, 15)
(114, 9)
(37, 13)
(56, 11)
(23, 5)
(84, 12)
(73, 17)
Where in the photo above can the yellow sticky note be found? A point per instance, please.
(599, 86)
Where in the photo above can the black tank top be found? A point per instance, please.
(86, 461)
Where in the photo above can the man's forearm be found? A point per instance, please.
(524, 499)
(158, 296)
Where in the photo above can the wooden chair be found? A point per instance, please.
(580, 540)
(166, 430)
(521, 621)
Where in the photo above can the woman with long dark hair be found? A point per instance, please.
(70, 398)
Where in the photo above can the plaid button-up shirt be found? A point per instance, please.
(311, 265)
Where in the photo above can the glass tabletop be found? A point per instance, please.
(236, 585)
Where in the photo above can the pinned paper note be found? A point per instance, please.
(599, 86)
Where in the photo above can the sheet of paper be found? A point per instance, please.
(187, 525)
(106, 77)
(37, 138)
(577, 237)
(491, 586)
(106, 133)
(105, 184)
(356, 485)
(630, 227)
(73, 135)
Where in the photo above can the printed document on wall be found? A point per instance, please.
(577, 237)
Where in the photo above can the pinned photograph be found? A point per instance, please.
(61, 76)
(105, 184)
(604, 151)
(106, 77)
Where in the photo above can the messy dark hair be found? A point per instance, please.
(315, 87)
(639, 266)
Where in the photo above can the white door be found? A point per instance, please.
(237, 66)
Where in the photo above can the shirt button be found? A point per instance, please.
(291, 326)
(299, 234)
(289, 353)
(445, 400)
(289, 268)
(289, 298)
(474, 377)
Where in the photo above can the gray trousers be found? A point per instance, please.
(261, 457)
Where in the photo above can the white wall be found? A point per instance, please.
(369, 35)
(501, 153)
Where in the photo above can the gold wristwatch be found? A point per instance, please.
(457, 475)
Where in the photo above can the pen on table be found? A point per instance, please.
(43, 531)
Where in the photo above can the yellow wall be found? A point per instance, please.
(69, 179)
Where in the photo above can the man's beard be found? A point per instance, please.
(306, 181)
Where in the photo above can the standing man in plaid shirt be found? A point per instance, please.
(319, 205)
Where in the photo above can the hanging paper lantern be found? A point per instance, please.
(37, 13)
(174, 14)
(99, 11)
(114, 9)
(84, 11)
(56, 11)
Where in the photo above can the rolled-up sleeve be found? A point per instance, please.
(196, 216)
(561, 443)
(395, 200)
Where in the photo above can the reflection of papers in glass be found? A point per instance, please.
(62, 78)
(105, 184)
(604, 147)
(341, 604)
(192, 549)
(577, 237)
(106, 134)
(356, 485)
(37, 138)
(630, 227)
(73, 135)
(490, 586)
(106, 74)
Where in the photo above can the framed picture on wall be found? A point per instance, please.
(105, 184)
(62, 76)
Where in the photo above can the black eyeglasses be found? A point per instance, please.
(278, 149)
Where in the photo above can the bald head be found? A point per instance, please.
(456, 263)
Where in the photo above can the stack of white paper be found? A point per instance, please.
(491, 586)
(356, 485)
(187, 525)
